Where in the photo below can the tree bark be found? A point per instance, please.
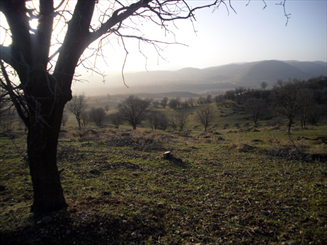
(42, 156)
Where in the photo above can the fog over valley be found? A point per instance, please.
(211, 79)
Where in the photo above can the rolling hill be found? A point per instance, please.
(218, 78)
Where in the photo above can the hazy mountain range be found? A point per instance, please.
(219, 77)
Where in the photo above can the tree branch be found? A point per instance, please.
(16, 99)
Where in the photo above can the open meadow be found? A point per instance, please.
(234, 184)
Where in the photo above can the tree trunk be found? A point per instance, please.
(42, 155)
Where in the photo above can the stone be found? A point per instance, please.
(186, 233)
(95, 171)
(227, 172)
(134, 235)
(161, 205)
(106, 193)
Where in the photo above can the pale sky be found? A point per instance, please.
(222, 37)
(253, 34)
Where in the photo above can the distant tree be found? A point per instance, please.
(106, 108)
(219, 100)
(314, 113)
(77, 105)
(205, 116)
(163, 121)
(173, 103)
(191, 101)
(133, 110)
(155, 103)
(97, 115)
(256, 107)
(181, 118)
(172, 122)
(307, 101)
(230, 95)
(157, 119)
(164, 102)
(84, 118)
(116, 119)
(64, 119)
(184, 104)
(209, 99)
(263, 85)
(201, 100)
(288, 99)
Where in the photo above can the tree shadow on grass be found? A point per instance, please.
(77, 225)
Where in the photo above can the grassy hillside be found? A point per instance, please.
(233, 185)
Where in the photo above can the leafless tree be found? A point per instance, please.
(133, 110)
(191, 101)
(205, 116)
(173, 103)
(84, 118)
(164, 102)
(116, 119)
(263, 85)
(219, 100)
(45, 76)
(314, 113)
(77, 105)
(209, 99)
(157, 119)
(181, 118)
(201, 100)
(307, 101)
(172, 122)
(97, 115)
(256, 107)
(288, 99)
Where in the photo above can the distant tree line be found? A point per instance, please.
(305, 100)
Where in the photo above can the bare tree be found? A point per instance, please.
(157, 119)
(164, 102)
(77, 105)
(84, 118)
(97, 115)
(155, 103)
(133, 110)
(307, 101)
(219, 100)
(116, 119)
(191, 102)
(173, 103)
(181, 118)
(314, 113)
(288, 99)
(45, 76)
(263, 85)
(205, 116)
(256, 107)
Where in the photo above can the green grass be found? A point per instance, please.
(120, 190)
